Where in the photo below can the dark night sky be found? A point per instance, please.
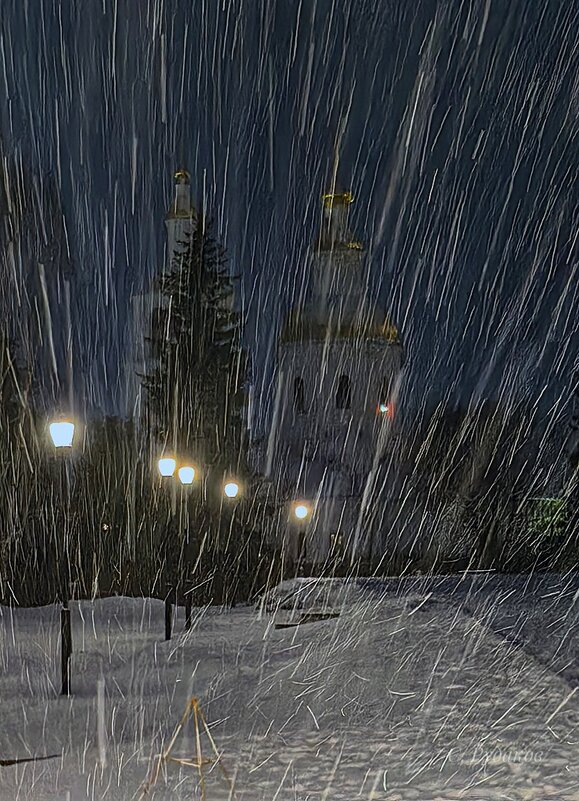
(460, 146)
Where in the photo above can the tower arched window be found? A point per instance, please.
(343, 393)
(299, 395)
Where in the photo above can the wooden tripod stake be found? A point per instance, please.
(198, 718)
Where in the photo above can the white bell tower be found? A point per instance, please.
(179, 218)
(339, 358)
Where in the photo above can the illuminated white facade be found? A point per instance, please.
(339, 360)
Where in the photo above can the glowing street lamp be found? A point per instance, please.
(186, 474)
(167, 466)
(62, 433)
(231, 489)
(301, 511)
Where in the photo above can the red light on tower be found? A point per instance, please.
(385, 409)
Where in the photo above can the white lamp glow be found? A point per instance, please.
(186, 474)
(231, 489)
(167, 466)
(62, 434)
(383, 408)
(301, 511)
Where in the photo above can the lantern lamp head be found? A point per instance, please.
(186, 474)
(167, 466)
(231, 489)
(62, 433)
(301, 510)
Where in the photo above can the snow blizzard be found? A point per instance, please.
(289, 333)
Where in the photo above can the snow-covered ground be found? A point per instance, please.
(442, 688)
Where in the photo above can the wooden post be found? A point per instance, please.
(188, 608)
(65, 649)
(168, 617)
(101, 723)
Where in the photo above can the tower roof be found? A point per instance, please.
(182, 177)
(181, 206)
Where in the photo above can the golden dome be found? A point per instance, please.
(331, 199)
(299, 328)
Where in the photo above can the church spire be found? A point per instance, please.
(180, 217)
(181, 205)
(335, 233)
(335, 230)
(336, 212)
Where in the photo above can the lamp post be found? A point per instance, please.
(62, 435)
(187, 474)
(301, 513)
(167, 466)
(230, 495)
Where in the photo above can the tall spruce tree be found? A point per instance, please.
(194, 399)
(195, 392)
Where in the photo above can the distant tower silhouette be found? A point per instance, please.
(146, 306)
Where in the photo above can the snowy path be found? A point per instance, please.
(405, 696)
(539, 615)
